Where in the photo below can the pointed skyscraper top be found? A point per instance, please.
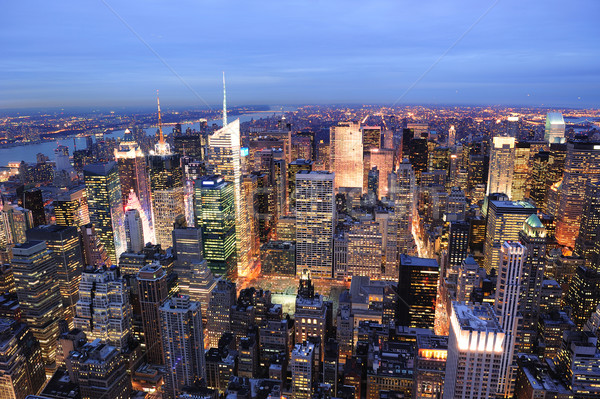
(224, 102)
(161, 138)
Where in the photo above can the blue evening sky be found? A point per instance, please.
(79, 53)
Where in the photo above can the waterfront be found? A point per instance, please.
(28, 152)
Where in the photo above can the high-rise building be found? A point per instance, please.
(167, 191)
(315, 222)
(133, 175)
(538, 187)
(418, 156)
(475, 348)
(71, 208)
(215, 217)
(34, 269)
(100, 371)
(587, 241)
(504, 222)
(458, 243)
(103, 309)
(468, 279)
(66, 250)
(134, 231)
(33, 200)
(222, 298)
(506, 306)
(21, 366)
(183, 343)
(365, 249)
(417, 289)
(312, 316)
(346, 143)
(555, 128)
(451, 136)
(94, 253)
(583, 295)
(302, 364)
(371, 137)
(402, 191)
(106, 207)
(382, 159)
(193, 275)
(533, 237)
(521, 171)
(430, 366)
(152, 288)
(582, 165)
(512, 127)
(501, 169)
(292, 169)
(224, 160)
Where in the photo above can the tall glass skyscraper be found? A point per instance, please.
(105, 206)
(555, 128)
(215, 216)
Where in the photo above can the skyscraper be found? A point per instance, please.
(302, 364)
(475, 348)
(311, 313)
(71, 208)
(521, 174)
(64, 243)
(346, 144)
(502, 159)
(21, 365)
(152, 288)
(533, 237)
(166, 187)
(315, 222)
(34, 269)
(133, 175)
(506, 306)
(222, 298)
(504, 222)
(100, 371)
(214, 206)
(292, 169)
(134, 231)
(582, 165)
(183, 343)
(105, 206)
(587, 243)
(224, 160)
(417, 289)
(555, 128)
(103, 310)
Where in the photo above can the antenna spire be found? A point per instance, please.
(161, 139)
(224, 102)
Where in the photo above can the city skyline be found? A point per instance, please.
(114, 54)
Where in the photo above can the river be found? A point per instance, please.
(28, 152)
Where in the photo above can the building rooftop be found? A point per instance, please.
(418, 262)
(476, 317)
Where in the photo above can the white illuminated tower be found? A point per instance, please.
(133, 175)
(133, 203)
(346, 149)
(475, 348)
(508, 292)
(451, 136)
(134, 232)
(502, 159)
(555, 128)
(225, 160)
